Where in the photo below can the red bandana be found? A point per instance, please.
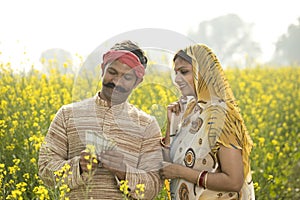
(125, 57)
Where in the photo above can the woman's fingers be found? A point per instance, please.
(174, 107)
(163, 172)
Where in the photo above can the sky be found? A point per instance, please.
(79, 26)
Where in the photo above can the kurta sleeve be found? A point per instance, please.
(53, 155)
(148, 166)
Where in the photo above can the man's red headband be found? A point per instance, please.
(125, 57)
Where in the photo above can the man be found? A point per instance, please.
(126, 139)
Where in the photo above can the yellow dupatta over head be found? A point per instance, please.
(210, 83)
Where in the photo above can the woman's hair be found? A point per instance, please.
(183, 55)
(134, 48)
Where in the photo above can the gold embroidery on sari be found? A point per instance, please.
(196, 125)
(183, 192)
(189, 158)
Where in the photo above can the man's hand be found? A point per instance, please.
(114, 162)
(88, 162)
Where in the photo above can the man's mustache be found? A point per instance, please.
(113, 86)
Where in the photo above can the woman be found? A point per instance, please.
(207, 146)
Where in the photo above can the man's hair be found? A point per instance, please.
(134, 48)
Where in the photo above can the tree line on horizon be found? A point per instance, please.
(229, 37)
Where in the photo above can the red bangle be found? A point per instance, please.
(205, 181)
(201, 179)
(198, 179)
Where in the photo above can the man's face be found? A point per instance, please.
(118, 81)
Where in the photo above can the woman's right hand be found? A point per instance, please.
(172, 108)
(175, 107)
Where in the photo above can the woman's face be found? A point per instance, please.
(184, 77)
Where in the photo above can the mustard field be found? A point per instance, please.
(269, 99)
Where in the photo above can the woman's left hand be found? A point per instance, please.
(169, 170)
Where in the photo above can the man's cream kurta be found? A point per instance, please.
(135, 133)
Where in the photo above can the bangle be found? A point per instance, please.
(205, 181)
(198, 179)
(162, 142)
(201, 179)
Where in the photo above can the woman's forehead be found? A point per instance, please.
(181, 63)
